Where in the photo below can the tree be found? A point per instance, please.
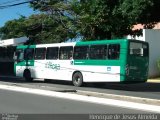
(101, 19)
(40, 28)
(57, 24)
(141, 11)
(62, 20)
(106, 19)
(49, 26)
(13, 29)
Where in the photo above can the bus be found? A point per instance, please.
(119, 60)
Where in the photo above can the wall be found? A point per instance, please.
(152, 36)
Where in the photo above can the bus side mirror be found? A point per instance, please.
(15, 58)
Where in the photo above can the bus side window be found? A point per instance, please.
(28, 54)
(98, 52)
(52, 53)
(113, 51)
(81, 52)
(66, 53)
(138, 49)
(40, 53)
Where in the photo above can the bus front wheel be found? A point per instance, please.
(77, 79)
(27, 76)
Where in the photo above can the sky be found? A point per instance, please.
(14, 12)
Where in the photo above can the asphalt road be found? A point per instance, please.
(24, 103)
(144, 90)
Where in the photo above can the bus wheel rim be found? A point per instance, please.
(77, 80)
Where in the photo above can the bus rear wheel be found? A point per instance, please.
(27, 76)
(77, 79)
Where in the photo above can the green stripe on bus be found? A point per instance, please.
(26, 46)
(26, 63)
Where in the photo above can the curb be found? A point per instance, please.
(153, 81)
(148, 101)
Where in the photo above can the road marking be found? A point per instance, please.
(90, 99)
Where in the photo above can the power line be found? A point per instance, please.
(8, 2)
(16, 4)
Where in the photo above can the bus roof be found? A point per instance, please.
(81, 43)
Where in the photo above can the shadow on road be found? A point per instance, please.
(136, 87)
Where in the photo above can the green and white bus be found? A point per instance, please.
(118, 60)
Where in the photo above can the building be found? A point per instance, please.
(152, 36)
(7, 48)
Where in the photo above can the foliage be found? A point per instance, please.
(62, 20)
(13, 29)
(102, 19)
(57, 23)
(106, 19)
(42, 29)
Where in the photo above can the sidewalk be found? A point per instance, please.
(154, 80)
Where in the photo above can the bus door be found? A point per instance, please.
(65, 62)
(138, 61)
(39, 63)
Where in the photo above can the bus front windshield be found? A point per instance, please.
(138, 49)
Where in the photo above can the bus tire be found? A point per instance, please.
(77, 79)
(27, 76)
